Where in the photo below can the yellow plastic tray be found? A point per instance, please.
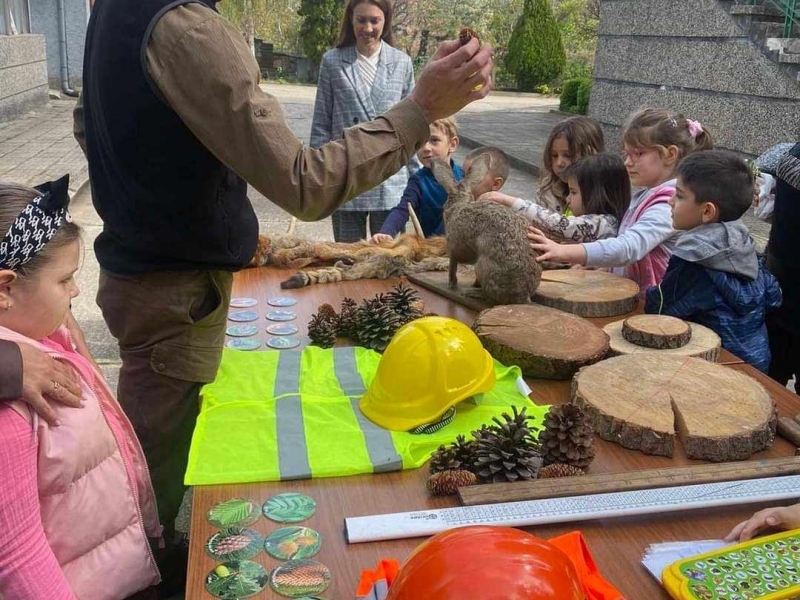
(766, 568)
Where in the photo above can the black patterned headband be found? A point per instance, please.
(36, 224)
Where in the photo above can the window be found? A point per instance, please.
(14, 17)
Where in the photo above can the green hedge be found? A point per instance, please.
(575, 95)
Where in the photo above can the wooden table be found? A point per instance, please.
(617, 544)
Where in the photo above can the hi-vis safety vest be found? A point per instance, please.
(289, 414)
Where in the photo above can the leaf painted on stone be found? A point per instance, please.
(289, 508)
(232, 512)
(245, 579)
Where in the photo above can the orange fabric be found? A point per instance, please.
(386, 570)
(594, 585)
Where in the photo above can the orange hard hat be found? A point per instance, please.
(486, 563)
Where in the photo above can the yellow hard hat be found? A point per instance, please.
(430, 364)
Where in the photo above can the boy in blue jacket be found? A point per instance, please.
(423, 192)
(714, 276)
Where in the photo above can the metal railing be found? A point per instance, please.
(790, 9)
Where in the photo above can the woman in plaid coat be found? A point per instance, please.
(360, 79)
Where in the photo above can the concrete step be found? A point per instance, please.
(784, 45)
(762, 13)
(789, 59)
(771, 30)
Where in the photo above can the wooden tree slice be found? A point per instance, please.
(704, 343)
(544, 342)
(656, 331)
(587, 293)
(645, 401)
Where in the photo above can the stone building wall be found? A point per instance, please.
(690, 56)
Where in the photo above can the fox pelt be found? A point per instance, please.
(406, 254)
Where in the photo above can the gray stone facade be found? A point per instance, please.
(23, 75)
(44, 20)
(690, 56)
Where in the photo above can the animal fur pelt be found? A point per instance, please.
(405, 254)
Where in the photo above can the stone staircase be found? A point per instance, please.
(765, 23)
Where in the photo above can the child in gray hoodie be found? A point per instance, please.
(714, 276)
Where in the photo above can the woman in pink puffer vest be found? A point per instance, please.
(77, 510)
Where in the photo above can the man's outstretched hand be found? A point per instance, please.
(45, 378)
(454, 77)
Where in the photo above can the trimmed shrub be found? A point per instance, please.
(569, 94)
(575, 95)
(535, 51)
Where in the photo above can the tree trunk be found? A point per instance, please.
(250, 26)
(544, 342)
(645, 401)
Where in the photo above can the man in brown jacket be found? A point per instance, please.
(174, 126)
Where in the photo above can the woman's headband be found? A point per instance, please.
(36, 225)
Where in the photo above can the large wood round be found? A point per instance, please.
(645, 401)
(656, 331)
(544, 342)
(587, 293)
(704, 343)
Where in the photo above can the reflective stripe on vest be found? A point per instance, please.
(291, 434)
(288, 414)
(292, 449)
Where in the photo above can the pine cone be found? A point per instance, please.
(346, 326)
(466, 34)
(459, 455)
(405, 301)
(507, 450)
(448, 482)
(322, 331)
(567, 436)
(376, 323)
(560, 470)
(326, 311)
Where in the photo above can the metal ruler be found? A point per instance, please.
(571, 509)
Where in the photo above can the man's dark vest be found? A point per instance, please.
(166, 202)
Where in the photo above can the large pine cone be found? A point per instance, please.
(376, 323)
(326, 311)
(460, 455)
(507, 450)
(405, 301)
(322, 331)
(567, 436)
(346, 326)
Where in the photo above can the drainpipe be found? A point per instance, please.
(62, 42)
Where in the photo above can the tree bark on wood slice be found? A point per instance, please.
(704, 343)
(646, 401)
(544, 342)
(657, 331)
(587, 293)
